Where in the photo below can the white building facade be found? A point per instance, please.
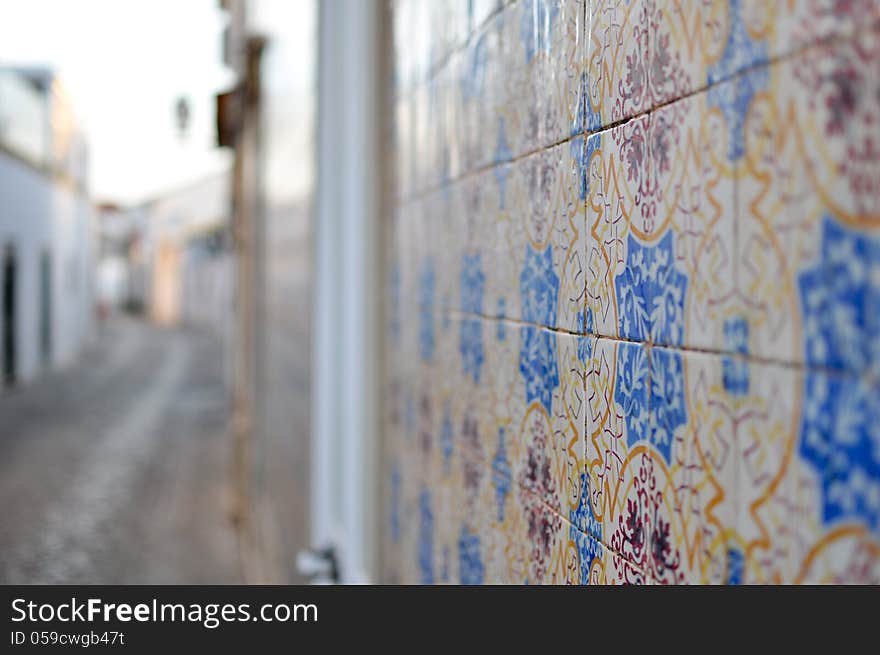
(46, 229)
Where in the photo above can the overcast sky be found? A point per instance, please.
(125, 62)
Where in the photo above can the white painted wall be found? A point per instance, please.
(204, 283)
(36, 215)
(73, 258)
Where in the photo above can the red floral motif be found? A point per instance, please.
(667, 78)
(642, 537)
(632, 88)
(646, 148)
(538, 493)
(472, 457)
(841, 85)
(537, 473)
(841, 99)
(627, 573)
(861, 567)
(425, 424)
(395, 398)
(543, 527)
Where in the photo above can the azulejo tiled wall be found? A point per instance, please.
(633, 311)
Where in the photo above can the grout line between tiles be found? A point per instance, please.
(757, 359)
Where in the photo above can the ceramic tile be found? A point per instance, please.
(532, 223)
(470, 539)
(405, 58)
(545, 441)
(687, 44)
(787, 26)
(692, 509)
(421, 136)
(617, 66)
(695, 44)
(482, 10)
(576, 556)
(770, 507)
(583, 558)
(544, 72)
(468, 385)
(838, 478)
(433, 117)
(484, 95)
(404, 145)
(448, 158)
(808, 477)
(404, 257)
(661, 211)
(849, 556)
(808, 222)
(442, 245)
(507, 546)
(690, 223)
(526, 540)
(547, 538)
(617, 462)
(616, 165)
(618, 570)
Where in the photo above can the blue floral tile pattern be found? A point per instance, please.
(426, 311)
(426, 538)
(668, 403)
(651, 293)
(470, 563)
(736, 370)
(501, 475)
(537, 360)
(631, 390)
(840, 437)
(632, 304)
(539, 287)
(838, 296)
(471, 335)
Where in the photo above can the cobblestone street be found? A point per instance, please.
(116, 469)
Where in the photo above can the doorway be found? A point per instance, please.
(10, 284)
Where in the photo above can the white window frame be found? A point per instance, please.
(346, 360)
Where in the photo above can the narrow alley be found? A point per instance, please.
(116, 470)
